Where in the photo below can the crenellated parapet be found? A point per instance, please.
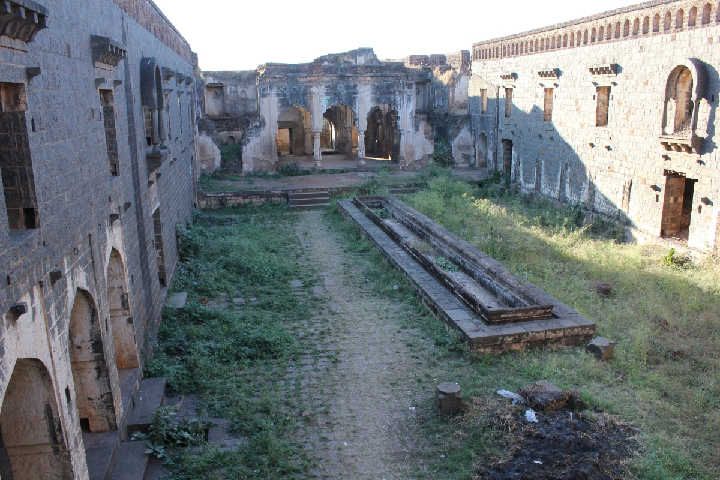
(650, 18)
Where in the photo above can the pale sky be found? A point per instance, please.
(240, 35)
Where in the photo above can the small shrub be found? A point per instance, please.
(446, 264)
(442, 155)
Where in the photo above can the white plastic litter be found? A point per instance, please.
(530, 415)
(516, 398)
(537, 461)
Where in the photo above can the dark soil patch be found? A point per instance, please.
(562, 445)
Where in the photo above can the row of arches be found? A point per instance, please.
(695, 16)
(33, 442)
(339, 134)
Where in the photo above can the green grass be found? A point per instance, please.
(232, 357)
(674, 399)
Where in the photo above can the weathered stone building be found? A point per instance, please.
(97, 144)
(616, 112)
(350, 104)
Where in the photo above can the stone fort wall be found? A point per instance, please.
(88, 216)
(583, 112)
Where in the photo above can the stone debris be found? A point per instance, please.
(544, 396)
(602, 348)
(603, 289)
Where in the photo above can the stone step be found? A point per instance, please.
(312, 194)
(132, 462)
(309, 202)
(149, 397)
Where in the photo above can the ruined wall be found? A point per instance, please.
(603, 136)
(422, 97)
(95, 191)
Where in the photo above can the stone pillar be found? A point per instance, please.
(448, 398)
(162, 128)
(361, 148)
(154, 128)
(316, 149)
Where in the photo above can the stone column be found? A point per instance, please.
(162, 128)
(154, 119)
(316, 150)
(361, 148)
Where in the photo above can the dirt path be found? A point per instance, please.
(361, 371)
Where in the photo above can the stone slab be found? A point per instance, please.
(149, 397)
(131, 462)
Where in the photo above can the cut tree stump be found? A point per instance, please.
(448, 398)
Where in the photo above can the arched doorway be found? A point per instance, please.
(679, 103)
(382, 139)
(295, 136)
(32, 444)
(342, 133)
(89, 368)
(121, 320)
(482, 152)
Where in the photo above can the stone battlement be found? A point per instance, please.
(642, 20)
(149, 16)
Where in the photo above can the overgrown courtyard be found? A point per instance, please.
(324, 362)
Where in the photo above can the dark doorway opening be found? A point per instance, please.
(677, 206)
(507, 147)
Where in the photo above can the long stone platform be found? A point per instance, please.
(468, 290)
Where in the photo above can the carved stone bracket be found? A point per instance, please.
(179, 78)
(167, 74)
(32, 72)
(155, 158)
(21, 19)
(107, 51)
(609, 69)
(549, 73)
(681, 144)
(508, 76)
(188, 80)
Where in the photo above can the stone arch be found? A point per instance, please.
(565, 40)
(636, 27)
(295, 136)
(668, 21)
(706, 14)
(153, 101)
(230, 140)
(646, 25)
(482, 151)
(656, 23)
(626, 28)
(593, 35)
(680, 18)
(608, 31)
(90, 372)
(382, 138)
(32, 443)
(121, 319)
(692, 17)
(686, 85)
(585, 37)
(617, 30)
(601, 33)
(345, 130)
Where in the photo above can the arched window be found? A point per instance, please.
(692, 17)
(585, 38)
(617, 30)
(601, 33)
(706, 14)
(636, 26)
(565, 40)
(656, 23)
(646, 25)
(626, 28)
(593, 34)
(680, 19)
(679, 102)
(668, 21)
(553, 43)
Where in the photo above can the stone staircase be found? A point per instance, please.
(107, 450)
(309, 199)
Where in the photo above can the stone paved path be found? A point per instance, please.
(357, 383)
